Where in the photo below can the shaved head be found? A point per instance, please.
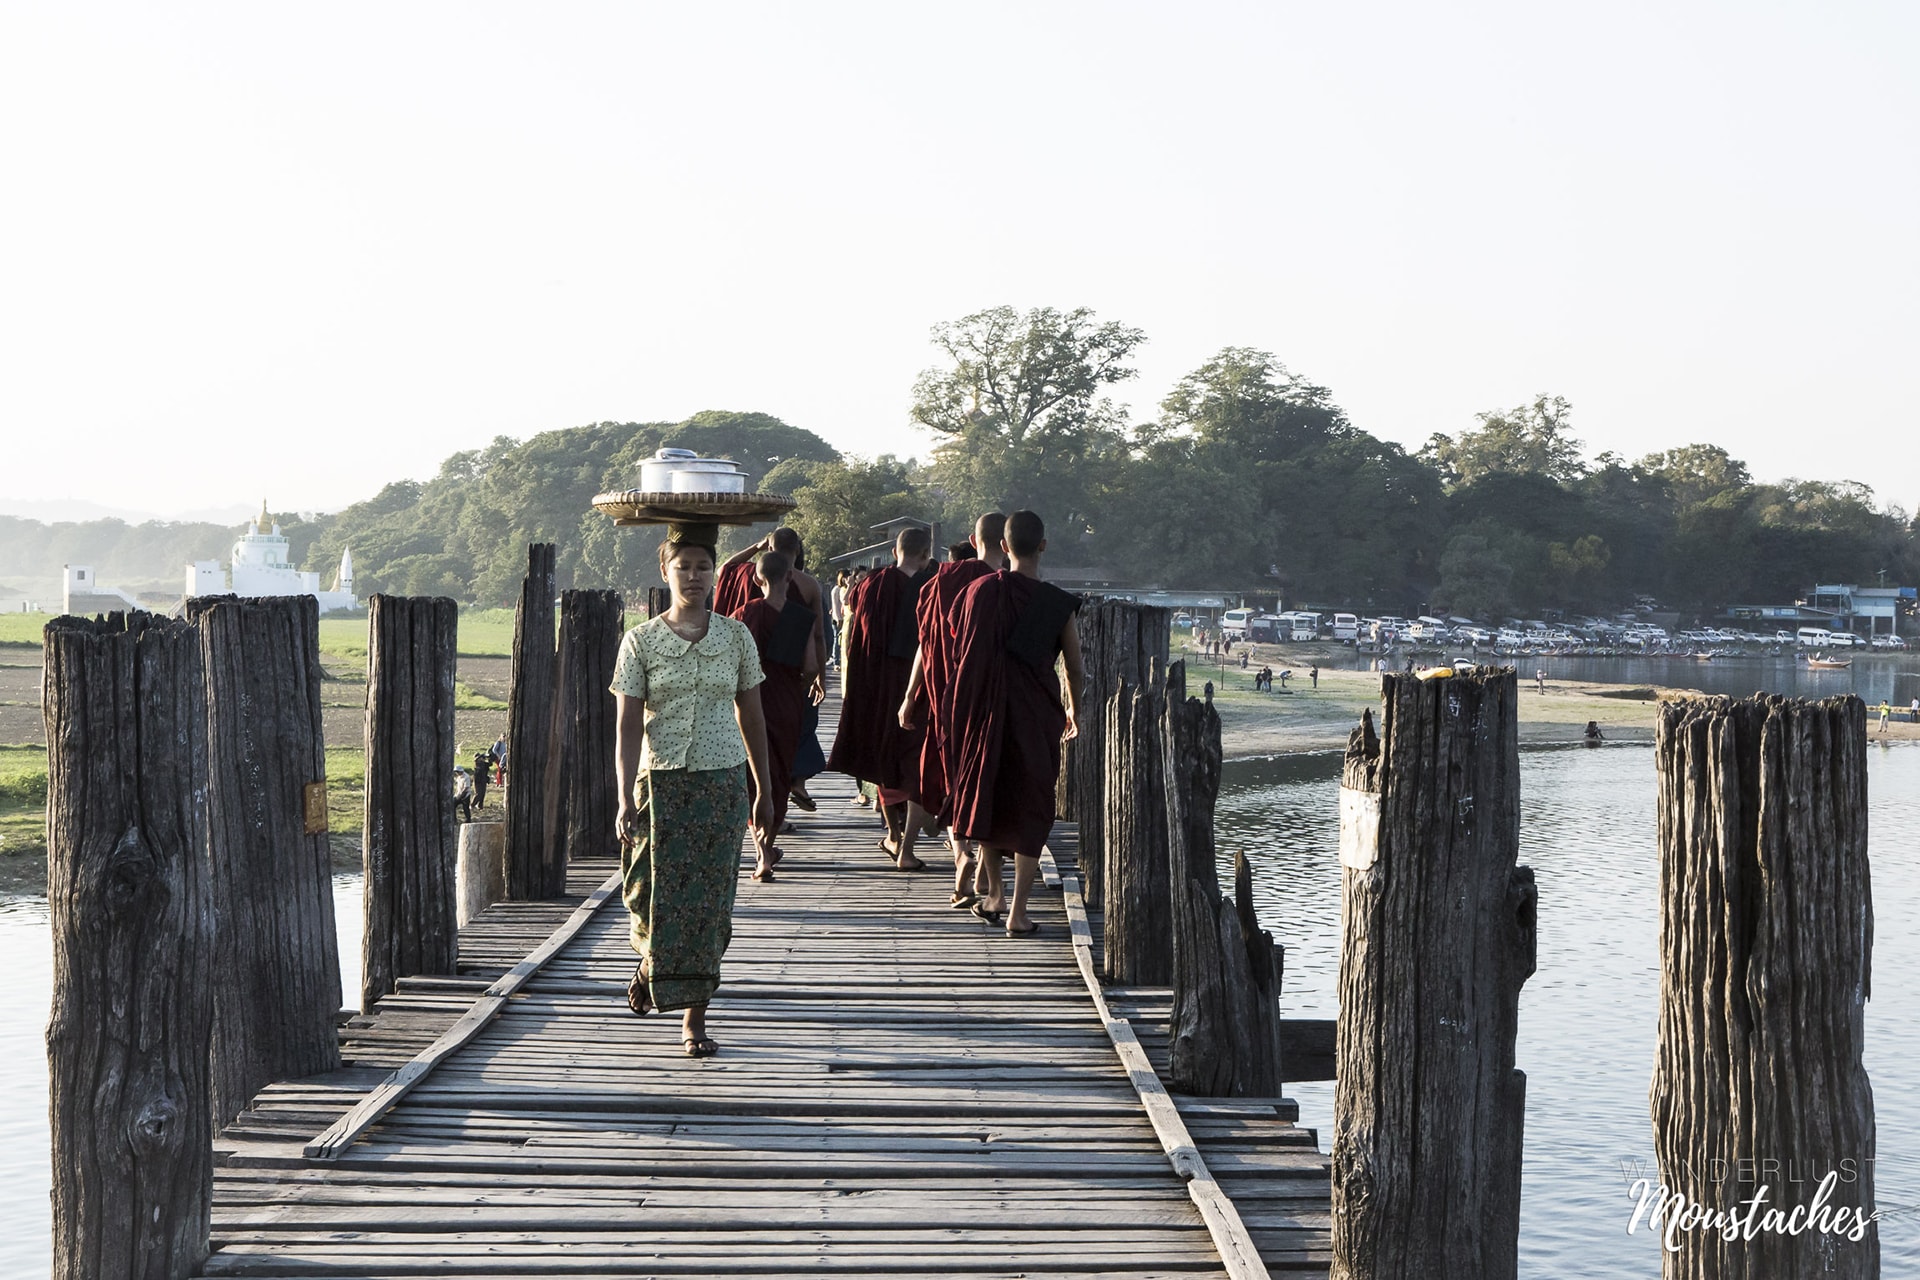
(774, 567)
(989, 529)
(914, 543)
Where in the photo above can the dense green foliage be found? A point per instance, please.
(1250, 479)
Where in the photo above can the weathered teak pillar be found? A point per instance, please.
(530, 727)
(1225, 1031)
(1437, 928)
(132, 913)
(1119, 642)
(1139, 887)
(1766, 938)
(580, 792)
(276, 970)
(408, 849)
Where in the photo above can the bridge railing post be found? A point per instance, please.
(530, 727)
(408, 844)
(129, 893)
(580, 799)
(1138, 916)
(276, 969)
(1437, 936)
(1766, 939)
(1119, 642)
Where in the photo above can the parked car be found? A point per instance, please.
(1182, 619)
(1889, 642)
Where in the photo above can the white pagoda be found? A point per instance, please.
(261, 568)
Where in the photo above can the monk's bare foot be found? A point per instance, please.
(797, 794)
(907, 862)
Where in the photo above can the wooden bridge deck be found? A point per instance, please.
(901, 1089)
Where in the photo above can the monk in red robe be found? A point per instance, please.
(1007, 718)
(930, 689)
(783, 631)
(734, 586)
(881, 640)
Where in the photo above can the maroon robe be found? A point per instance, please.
(734, 587)
(783, 695)
(1004, 744)
(879, 646)
(936, 615)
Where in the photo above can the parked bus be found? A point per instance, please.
(1346, 626)
(1233, 623)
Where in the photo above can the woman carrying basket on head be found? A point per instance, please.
(689, 730)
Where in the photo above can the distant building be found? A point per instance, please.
(81, 594)
(260, 568)
(1878, 607)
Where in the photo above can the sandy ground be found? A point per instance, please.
(1302, 717)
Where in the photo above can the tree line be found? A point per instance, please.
(1250, 478)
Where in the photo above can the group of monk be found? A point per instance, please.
(952, 711)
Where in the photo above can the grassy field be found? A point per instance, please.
(483, 633)
(23, 819)
(22, 629)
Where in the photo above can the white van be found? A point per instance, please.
(1346, 626)
(1301, 626)
(1233, 623)
(1814, 637)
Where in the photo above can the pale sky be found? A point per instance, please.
(291, 251)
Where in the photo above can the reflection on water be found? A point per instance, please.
(26, 1168)
(1588, 1017)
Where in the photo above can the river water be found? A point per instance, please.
(1588, 1016)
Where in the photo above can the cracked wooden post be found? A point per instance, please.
(276, 964)
(1119, 641)
(530, 727)
(1224, 1033)
(1766, 939)
(1138, 921)
(581, 796)
(409, 847)
(128, 890)
(1437, 927)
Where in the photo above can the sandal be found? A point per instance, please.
(981, 912)
(801, 801)
(700, 1047)
(1032, 928)
(762, 877)
(961, 901)
(639, 998)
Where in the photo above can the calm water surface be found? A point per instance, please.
(1588, 1017)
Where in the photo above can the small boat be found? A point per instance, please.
(1820, 663)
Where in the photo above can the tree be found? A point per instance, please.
(838, 503)
(1018, 412)
(1694, 473)
(1473, 579)
(1530, 439)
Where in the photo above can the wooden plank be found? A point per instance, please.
(384, 1096)
(1237, 1249)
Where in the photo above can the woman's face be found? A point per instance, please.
(689, 575)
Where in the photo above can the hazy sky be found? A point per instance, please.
(297, 251)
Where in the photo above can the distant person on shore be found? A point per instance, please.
(1540, 679)
(882, 638)
(1008, 718)
(1886, 713)
(463, 792)
(929, 699)
(690, 739)
(1913, 712)
(1593, 732)
(1313, 674)
(500, 760)
(482, 770)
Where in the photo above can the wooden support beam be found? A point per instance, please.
(1437, 927)
(1224, 1038)
(276, 967)
(1119, 641)
(1138, 918)
(530, 728)
(580, 792)
(1766, 941)
(130, 1100)
(409, 842)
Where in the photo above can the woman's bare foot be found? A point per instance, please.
(693, 1034)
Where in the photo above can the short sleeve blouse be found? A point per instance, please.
(688, 688)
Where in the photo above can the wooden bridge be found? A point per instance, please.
(901, 1089)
